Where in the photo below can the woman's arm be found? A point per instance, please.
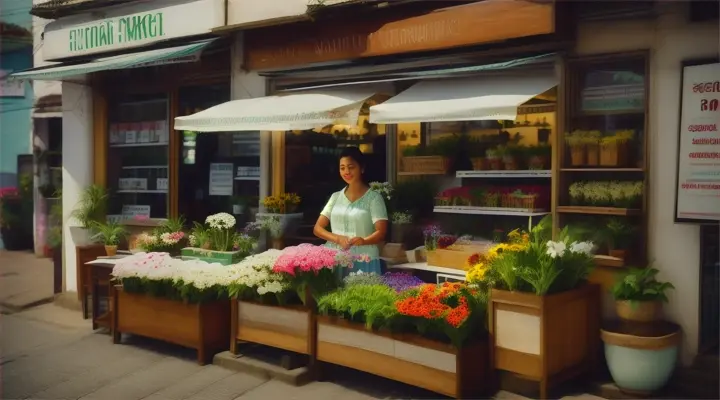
(376, 237)
(320, 230)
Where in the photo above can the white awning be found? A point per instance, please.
(284, 112)
(171, 55)
(489, 97)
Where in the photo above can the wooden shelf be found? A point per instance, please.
(148, 144)
(505, 174)
(602, 170)
(607, 261)
(518, 212)
(597, 210)
(420, 173)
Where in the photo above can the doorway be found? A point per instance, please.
(709, 290)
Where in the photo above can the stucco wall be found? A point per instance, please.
(671, 39)
(77, 173)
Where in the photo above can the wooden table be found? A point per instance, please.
(99, 277)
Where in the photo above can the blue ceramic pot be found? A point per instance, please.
(642, 362)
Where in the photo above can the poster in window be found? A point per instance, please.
(221, 179)
(698, 180)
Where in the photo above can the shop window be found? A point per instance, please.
(311, 160)
(137, 172)
(218, 171)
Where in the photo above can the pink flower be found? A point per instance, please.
(141, 218)
(310, 258)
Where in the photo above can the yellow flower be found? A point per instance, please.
(477, 273)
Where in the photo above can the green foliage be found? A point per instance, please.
(54, 239)
(174, 224)
(92, 206)
(110, 234)
(617, 233)
(372, 304)
(200, 236)
(16, 211)
(640, 284)
(178, 291)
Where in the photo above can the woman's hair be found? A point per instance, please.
(356, 155)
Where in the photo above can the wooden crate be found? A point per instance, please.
(407, 358)
(288, 328)
(549, 339)
(425, 164)
(203, 327)
(455, 257)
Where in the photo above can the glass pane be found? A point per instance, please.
(219, 171)
(138, 156)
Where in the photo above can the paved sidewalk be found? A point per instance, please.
(48, 352)
(25, 280)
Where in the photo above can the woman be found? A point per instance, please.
(357, 215)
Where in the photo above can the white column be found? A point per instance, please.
(246, 85)
(77, 145)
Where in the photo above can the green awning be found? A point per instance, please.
(170, 55)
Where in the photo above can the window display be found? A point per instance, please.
(138, 156)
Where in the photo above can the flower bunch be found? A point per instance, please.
(445, 241)
(172, 238)
(168, 237)
(281, 204)
(220, 235)
(432, 234)
(362, 278)
(220, 221)
(385, 189)
(603, 193)
(253, 278)
(401, 281)
(451, 309)
(401, 218)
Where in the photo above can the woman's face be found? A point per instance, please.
(350, 170)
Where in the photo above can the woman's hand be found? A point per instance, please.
(357, 241)
(344, 242)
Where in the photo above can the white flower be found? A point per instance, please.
(556, 249)
(220, 221)
(582, 247)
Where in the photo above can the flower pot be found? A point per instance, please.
(277, 243)
(621, 254)
(479, 163)
(640, 311)
(577, 155)
(80, 236)
(537, 162)
(495, 164)
(641, 357)
(212, 256)
(613, 154)
(510, 163)
(593, 155)
(111, 251)
(398, 232)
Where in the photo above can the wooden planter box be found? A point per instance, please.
(212, 256)
(411, 359)
(425, 164)
(549, 339)
(455, 257)
(288, 328)
(203, 327)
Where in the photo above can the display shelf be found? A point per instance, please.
(602, 170)
(598, 210)
(608, 261)
(520, 212)
(140, 144)
(431, 268)
(141, 191)
(505, 174)
(144, 167)
(420, 173)
(247, 178)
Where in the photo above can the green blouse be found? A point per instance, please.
(356, 219)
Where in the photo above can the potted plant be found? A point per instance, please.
(639, 295)
(576, 143)
(273, 227)
(575, 191)
(512, 157)
(477, 197)
(494, 158)
(91, 208)
(618, 237)
(592, 147)
(283, 207)
(492, 199)
(218, 242)
(534, 280)
(640, 350)
(613, 148)
(539, 156)
(401, 222)
(169, 237)
(109, 234)
(239, 204)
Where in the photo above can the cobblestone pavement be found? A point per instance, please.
(48, 352)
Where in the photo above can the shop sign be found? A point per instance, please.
(130, 26)
(221, 179)
(135, 211)
(394, 33)
(698, 180)
(253, 12)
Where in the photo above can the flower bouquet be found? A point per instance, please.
(168, 237)
(219, 242)
(253, 279)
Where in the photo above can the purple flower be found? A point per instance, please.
(401, 281)
(432, 231)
